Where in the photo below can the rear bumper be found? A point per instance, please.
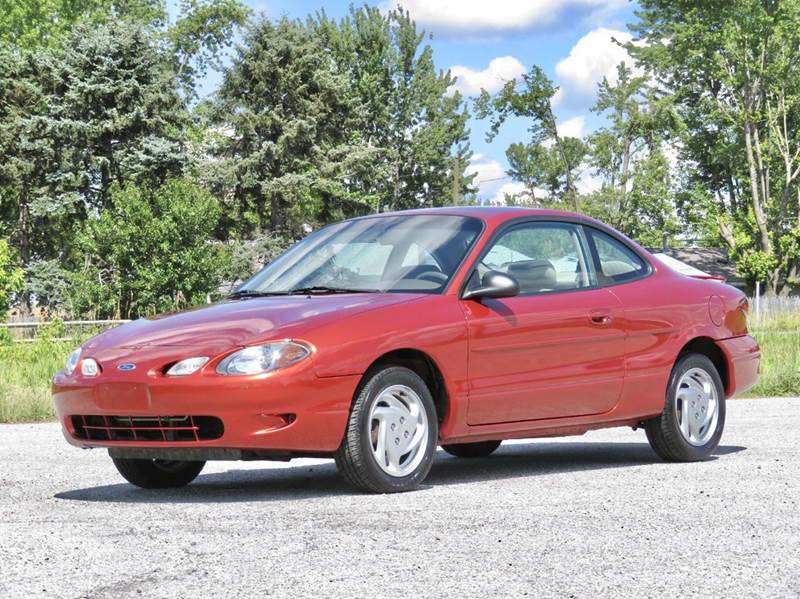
(247, 408)
(744, 358)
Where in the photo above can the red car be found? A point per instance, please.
(376, 339)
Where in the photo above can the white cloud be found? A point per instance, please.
(490, 176)
(500, 70)
(593, 57)
(485, 169)
(574, 127)
(496, 15)
(499, 197)
(558, 97)
(588, 183)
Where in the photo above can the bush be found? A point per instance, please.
(150, 252)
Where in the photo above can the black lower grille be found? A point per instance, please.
(147, 428)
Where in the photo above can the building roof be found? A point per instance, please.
(713, 261)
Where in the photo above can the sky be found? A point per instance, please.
(487, 42)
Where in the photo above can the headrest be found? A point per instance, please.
(533, 275)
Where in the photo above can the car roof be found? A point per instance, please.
(493, 214)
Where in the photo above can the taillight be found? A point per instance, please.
(744, 308)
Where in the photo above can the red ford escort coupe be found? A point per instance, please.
(376, 339)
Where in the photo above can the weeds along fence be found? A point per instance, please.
(772, 305)
(55, 330)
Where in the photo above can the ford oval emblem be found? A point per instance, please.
(127, 366)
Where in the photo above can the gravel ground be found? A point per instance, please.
(592, 516)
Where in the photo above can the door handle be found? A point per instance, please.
(600, 317)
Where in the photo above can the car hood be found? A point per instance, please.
(216, 328)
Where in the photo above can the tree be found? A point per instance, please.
(119, 111)
(149, 252)
(402, 107)
(106, 105)
(31, 24)
(33, 202)
(199, 36)
(73, 122)
(637, 189)
(286, 116)
(11, 278)
(549, 161)
(733, 72)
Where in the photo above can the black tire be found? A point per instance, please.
(355, 459)
(472, 450)
(664, 433)
(158, 474)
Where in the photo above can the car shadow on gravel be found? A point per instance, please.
(322, 480)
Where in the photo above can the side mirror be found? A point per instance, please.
(494, 284)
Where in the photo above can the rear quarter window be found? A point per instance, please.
(617, 262)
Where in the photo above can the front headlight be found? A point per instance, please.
(264, 358)
(187, 366)
(72, 361)
(89, 368)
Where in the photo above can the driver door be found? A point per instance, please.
(555, 350)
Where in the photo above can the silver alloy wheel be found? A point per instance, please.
(696, 406)
(398, 430)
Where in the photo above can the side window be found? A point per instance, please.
(618, 263)
(542, 256)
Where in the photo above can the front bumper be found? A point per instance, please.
(744, 359)
(248, 408)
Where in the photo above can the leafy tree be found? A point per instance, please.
(149, 252)
(200, 34)
(549, 161)
(637, 187)
(732, 70)
(30, 24)
(11, 278)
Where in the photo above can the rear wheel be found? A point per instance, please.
(158, 474)
(390, 440)
(472, 450)
(690, 427)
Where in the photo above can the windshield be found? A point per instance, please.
(417, 253)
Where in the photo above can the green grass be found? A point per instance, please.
(25, 373)
(26, 368)
(779, 338)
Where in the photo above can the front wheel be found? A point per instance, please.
(691, 425)
(391, 435)
(158, 474)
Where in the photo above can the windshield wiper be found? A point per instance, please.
(323, 289)
(244, 293)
